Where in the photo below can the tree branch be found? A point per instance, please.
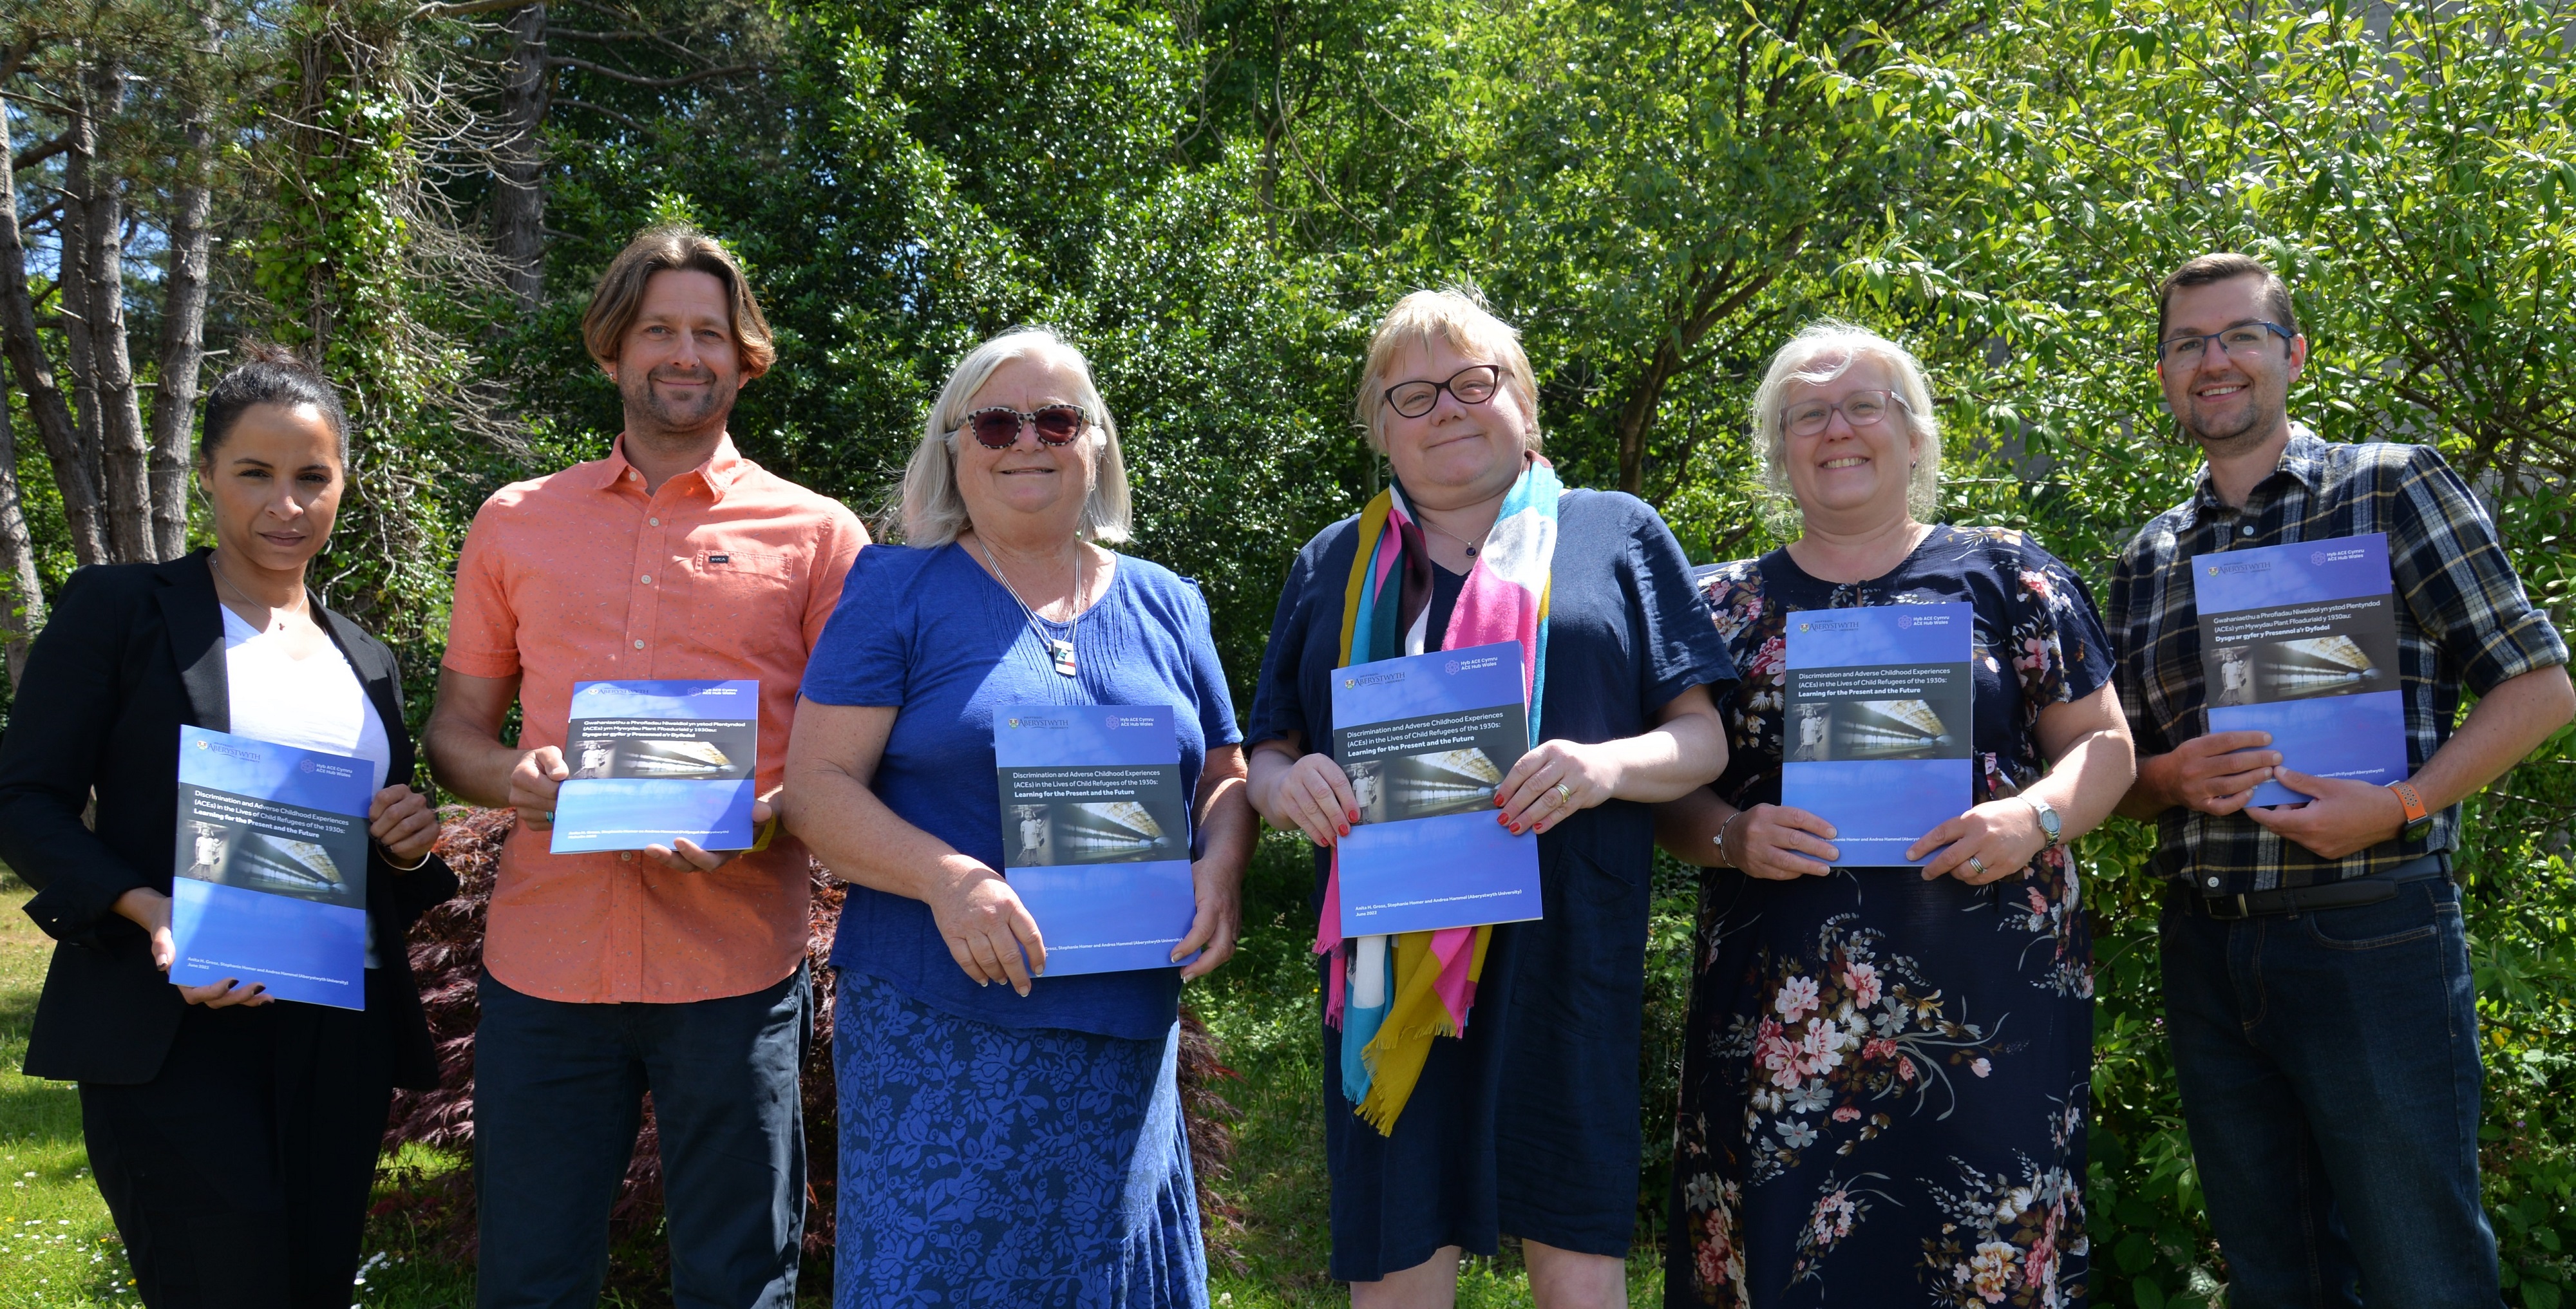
(464, 7)
(39, 153)
(630, 124)
(637, 79)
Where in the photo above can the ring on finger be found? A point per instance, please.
(1564, 793)
(1978, 864)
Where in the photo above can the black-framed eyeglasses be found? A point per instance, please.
(1859, 408)
(2234, 340)
(997, 427)
(1473, 385)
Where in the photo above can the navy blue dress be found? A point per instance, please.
(1884, 1079)
(997, 1148)
(1546, 1076)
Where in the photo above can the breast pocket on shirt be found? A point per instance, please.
(740, 602)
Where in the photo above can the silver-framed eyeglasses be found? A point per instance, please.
(1858, 408)
(2242, 338)
(1473, 385)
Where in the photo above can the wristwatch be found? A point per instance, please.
(2418, 822)
(2048, 824)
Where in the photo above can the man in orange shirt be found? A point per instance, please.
(674, 970)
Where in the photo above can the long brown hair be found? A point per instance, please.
(614, 304)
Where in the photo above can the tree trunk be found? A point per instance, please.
(183, 338)
(125, 458)
(73, 247)
(22, 598)
(35, 374)
(519, 203)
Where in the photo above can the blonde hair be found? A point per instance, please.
(1457, 316)
(933, 510)
(1819, 353)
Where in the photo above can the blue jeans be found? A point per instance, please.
(558, 1097)
(2330, 1078)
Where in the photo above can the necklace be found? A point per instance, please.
(214, 562)
(1426, 522)
(1061, 651)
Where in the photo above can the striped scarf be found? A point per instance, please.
(1390, 1003)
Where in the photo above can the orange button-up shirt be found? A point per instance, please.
(727, 571)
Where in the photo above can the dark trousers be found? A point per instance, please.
(2329, 1071)
(558, 1096)
(239, 1175)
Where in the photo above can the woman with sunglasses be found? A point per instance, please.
(1006, 1137)
(1440, 1140)
(1885, 1069)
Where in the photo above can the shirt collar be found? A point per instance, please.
(721, 470)
(2303, 458)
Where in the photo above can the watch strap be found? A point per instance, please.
(2417, 818)
(2050, 825)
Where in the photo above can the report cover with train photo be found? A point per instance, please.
(1096, 832)
(271, 867)
(2300, 641)
(656, 762)
(1425, 740)
(1875, 727)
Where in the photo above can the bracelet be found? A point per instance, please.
(1720, 839)
(416, 866)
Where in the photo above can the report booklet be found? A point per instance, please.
(272, 868)
(1875, 729)
(2300, 641)
(1096, 832)
(1426, 739)
(657, 762)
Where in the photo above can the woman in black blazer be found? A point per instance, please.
(234, 1138)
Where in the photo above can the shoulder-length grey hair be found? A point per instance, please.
(934, 513)
(1819, 353)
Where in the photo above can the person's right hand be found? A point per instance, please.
(1315, 797)
(986, 928)
(1778, 843)
(533, 783)
(150, 910)
(2216, 773)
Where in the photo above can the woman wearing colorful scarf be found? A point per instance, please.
(1447, 1054)
(1884, 1077)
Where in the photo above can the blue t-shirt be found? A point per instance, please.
(931, 634)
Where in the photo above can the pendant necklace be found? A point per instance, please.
(1060, 651)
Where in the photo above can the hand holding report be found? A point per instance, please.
(1096, 832)
(1876, 724)
(271, 868)
(2300, 641)
(1425, 739)
(656, 763)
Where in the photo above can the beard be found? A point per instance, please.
(2231, 432)
(642, 401)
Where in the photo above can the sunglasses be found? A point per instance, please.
(998, 428)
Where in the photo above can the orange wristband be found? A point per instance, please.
(2414, 804)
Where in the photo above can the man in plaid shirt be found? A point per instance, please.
(2316, 979)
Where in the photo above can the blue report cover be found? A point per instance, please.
(2300, 641)
(1096, 832)
(656, 762)
(1425, 741)
(1875, 729)
(272, 868)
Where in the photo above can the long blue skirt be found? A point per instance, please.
(985, 1165)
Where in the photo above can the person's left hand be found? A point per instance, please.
(403, 823)
(2001, 837)
(1219, 922)
(1530, 795)
(2342, 817)
(687, 856)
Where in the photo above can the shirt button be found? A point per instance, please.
(648, 579)
(2213, 882)
(639, 645)
(625, 856)
(2246, 530)
(652, 522)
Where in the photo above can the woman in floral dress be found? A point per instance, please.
(1884, 1083)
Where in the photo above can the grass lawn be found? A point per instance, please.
(57, 1247)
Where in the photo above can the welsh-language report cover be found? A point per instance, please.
(1876, 728)
(657, 762)
(2300, 640)
(1425, 740)
(272, 868)
(1096, 832)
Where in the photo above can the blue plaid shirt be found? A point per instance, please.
(2462, 621)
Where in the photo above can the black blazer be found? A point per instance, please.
(132, 652)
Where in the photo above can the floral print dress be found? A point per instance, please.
(1884, 1080)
